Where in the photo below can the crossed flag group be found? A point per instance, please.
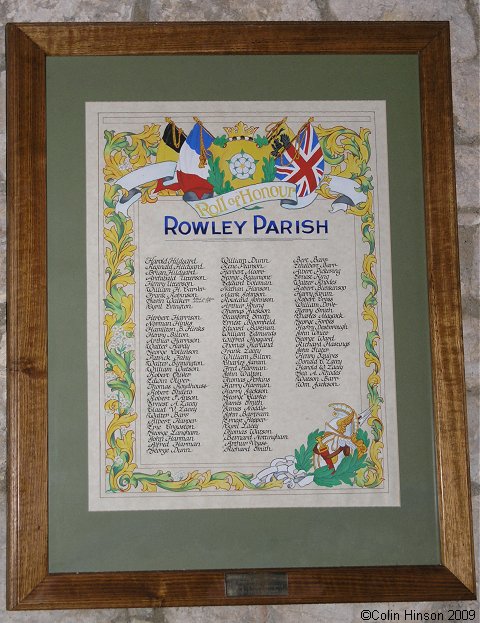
(183, 165)
(298, 159)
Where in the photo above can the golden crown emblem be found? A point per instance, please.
(240, 131)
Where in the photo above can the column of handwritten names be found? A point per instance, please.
(248, 334)
(174, 287)
(319, 324)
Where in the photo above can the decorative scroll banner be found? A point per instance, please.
(249, 196)
(348, 191)
(144, 175)
(284, 470)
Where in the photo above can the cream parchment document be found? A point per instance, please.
(240, 322)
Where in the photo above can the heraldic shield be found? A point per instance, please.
(242, 158)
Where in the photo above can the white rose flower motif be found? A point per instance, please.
(242, 165)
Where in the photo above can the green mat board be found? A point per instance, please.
(209, 539)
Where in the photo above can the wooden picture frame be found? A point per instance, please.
(30, 584)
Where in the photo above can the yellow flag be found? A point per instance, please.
(279, 136)
(172, 140)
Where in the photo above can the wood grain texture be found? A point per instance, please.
(26, 317)
(232, 38)
(195, 588)
(30, 586)
(449, 394)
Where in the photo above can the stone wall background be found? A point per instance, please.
(464, 20)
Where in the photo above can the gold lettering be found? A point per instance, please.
(246, 196)
(202, 208)
(266, 192)
(221, 205)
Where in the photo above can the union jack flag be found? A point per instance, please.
(302, 162)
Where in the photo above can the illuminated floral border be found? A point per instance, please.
(348, 154)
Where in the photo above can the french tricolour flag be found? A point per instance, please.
(192, 178)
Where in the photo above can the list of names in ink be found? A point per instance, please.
(218, 334)
(174, 283)
(248, 337)
(173, 357)
(319, 322)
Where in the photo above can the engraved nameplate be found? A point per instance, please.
(260, 584)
